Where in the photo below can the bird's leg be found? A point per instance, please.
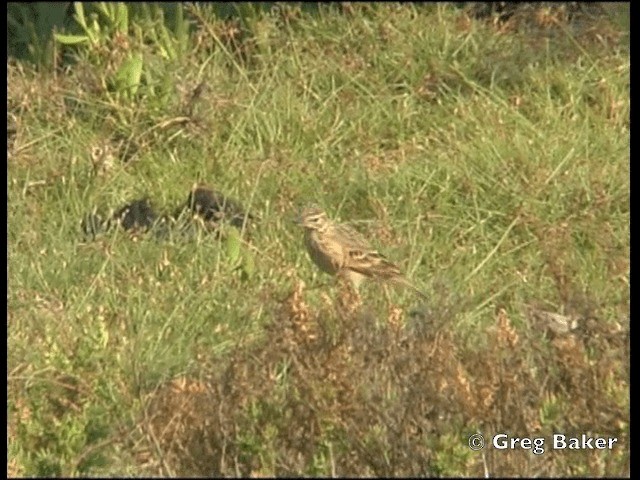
(349, 299)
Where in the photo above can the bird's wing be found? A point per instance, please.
(361, 257)
(351, 238)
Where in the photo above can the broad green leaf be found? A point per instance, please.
(233, 245)
(116, 13)
(79, 9)
(129, 75)
(248, 263)
(70, 39)
(122, 17)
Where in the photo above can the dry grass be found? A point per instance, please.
(331, 386)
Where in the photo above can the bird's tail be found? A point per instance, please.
(407, 283)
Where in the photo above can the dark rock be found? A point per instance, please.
(213, 206)
(137, 215)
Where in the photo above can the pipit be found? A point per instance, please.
(338, 249)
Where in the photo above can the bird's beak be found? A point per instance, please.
(297, 220)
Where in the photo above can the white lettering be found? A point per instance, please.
(559, 442)
(500, 441)
(584, 442)
(538, 445)
(503, 442)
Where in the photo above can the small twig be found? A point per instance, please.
(494, 250)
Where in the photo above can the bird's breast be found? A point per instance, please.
(323, 254)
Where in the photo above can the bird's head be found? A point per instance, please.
(313, 217)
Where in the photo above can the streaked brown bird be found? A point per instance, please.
(338, 249)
